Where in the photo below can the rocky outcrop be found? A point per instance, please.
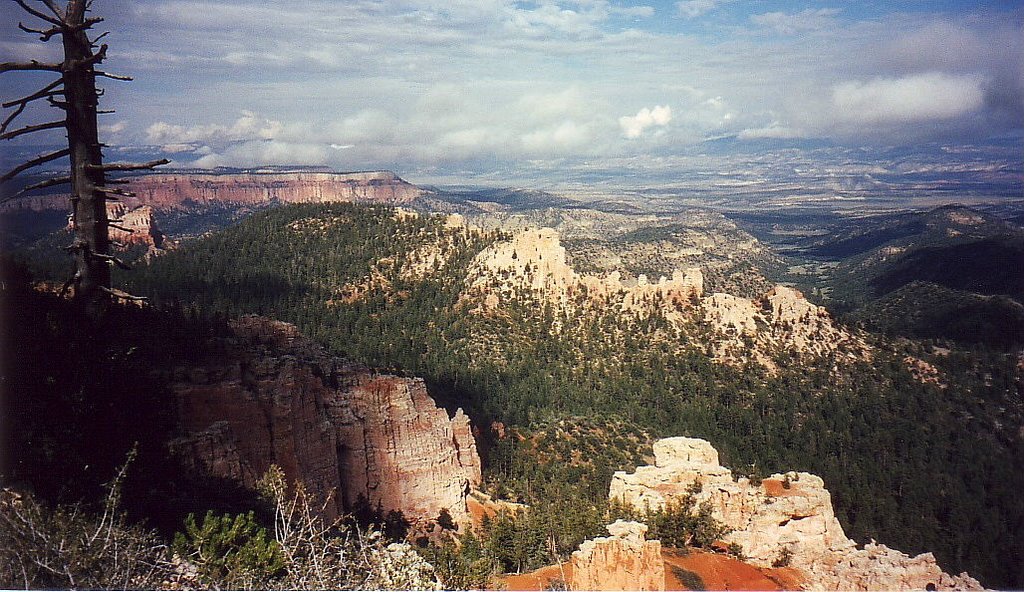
(270, 396)
(535, 261)
(787, 514)
(623, 561)
(171, 191)
(135, 226)
(782, 319)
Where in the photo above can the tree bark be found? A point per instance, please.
(89, 209)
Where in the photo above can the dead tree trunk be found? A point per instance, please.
(89, 191)
(89, 207)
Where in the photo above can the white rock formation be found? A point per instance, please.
(791, 511)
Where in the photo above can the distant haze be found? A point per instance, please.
(497, 91)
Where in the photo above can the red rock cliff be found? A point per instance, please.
(270, 396)
(169, 191)
(165, 191)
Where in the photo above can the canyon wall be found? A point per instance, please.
(786, 514)
(168, 191)
(623, 561)
(270, 396)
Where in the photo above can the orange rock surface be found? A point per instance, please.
(718, 572)
(722, 572)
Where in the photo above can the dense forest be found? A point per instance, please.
(920, 465)
(917, 465)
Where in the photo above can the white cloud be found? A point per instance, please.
(921, 97)
(113, 128)
(567, 135)
(253, 153)
(775, 131)
(692, 9)
(247, 127)
(804, 21)
(633, 126)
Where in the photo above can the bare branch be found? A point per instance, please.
(61, 30)
(30, 65)
(12, 117)
(114, 191)
(46, 33)
(46, 91)
(121, 228)
(101, 36)
(54, 21)
(111, 259)
(127, 166)
(35, 162)
(54, 8)
(95, 58)
(113, 76)
(28, 129)
(123, 295)
(39, 185)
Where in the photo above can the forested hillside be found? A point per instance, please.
(920, 446)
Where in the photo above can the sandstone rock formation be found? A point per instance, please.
(533, 263)
(167, 191)
(781, 319)
(170, 191)
(270, 396)
(791, 512)
(623, 561)
(135, 226)
(535, 260)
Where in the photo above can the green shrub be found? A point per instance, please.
(230, 551)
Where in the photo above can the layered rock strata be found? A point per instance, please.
(135, 226)
(786, 514)
(168, 191)
(270, 396)
(623, 561)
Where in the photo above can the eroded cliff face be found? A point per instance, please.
(270, 396)
(135, 226)
(780, 320)
(171, 191)
(787, 513)
(535, 261)
(623, 561)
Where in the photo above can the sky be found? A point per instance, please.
(488, 88)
